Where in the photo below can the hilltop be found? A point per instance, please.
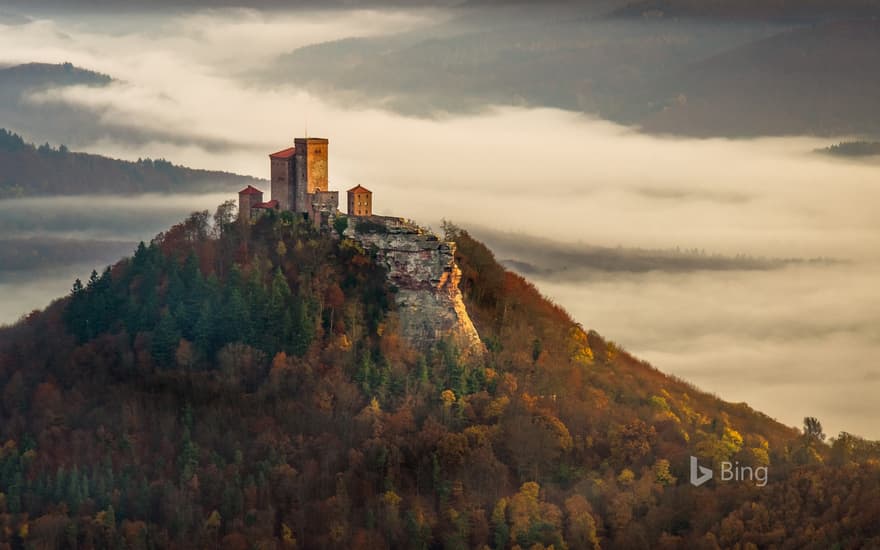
(254, 385)
(28, 170)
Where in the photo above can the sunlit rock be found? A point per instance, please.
(423, 271)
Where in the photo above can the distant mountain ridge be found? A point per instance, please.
(821, 79)
(28, 170)
(14, 78)
(698, 75)
(799, 10)
(853, 149)
(26, 109)
(57, 122)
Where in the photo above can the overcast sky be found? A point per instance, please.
(794, 341)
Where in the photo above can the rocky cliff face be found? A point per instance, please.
(423, 269)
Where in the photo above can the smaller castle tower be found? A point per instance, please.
(248, 197)
(360, 201)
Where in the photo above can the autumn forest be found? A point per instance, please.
(235, 386)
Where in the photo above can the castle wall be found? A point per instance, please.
(300, 181)
(282, 174)
(322, 205)
(325, 200)
(244, 208)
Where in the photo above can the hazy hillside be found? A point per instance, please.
(230, 387)
(822, 80)
(853, 149)
(33, 107)
(601, 66)
(711, 75)
(708, 76)
(58, 122)
(27, 170)
(19, 78)
(753, 9)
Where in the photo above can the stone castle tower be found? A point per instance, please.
(248, 198)
(360, 201)
(299, 171)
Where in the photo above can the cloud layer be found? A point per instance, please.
(799, 341)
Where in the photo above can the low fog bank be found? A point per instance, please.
(579, 262)
(35, 253)
(48, 242)
(25, 291)
(803, 340)
(107, 218)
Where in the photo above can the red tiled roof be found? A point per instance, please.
(359, 189)
(284, 153)
(268, 204)
(250, 190)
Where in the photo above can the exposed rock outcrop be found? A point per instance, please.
(423, 269)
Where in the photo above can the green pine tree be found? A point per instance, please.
(165, 340)
(203, 331)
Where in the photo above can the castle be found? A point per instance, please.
(299, 184)
(421, 267)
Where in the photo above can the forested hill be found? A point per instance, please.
(29, 76)
(248, 387)
(28, 170)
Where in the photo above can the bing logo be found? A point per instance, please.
(699, 474)
(730, 471)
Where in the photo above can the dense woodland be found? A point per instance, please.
(244, 387)
(29, 170)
